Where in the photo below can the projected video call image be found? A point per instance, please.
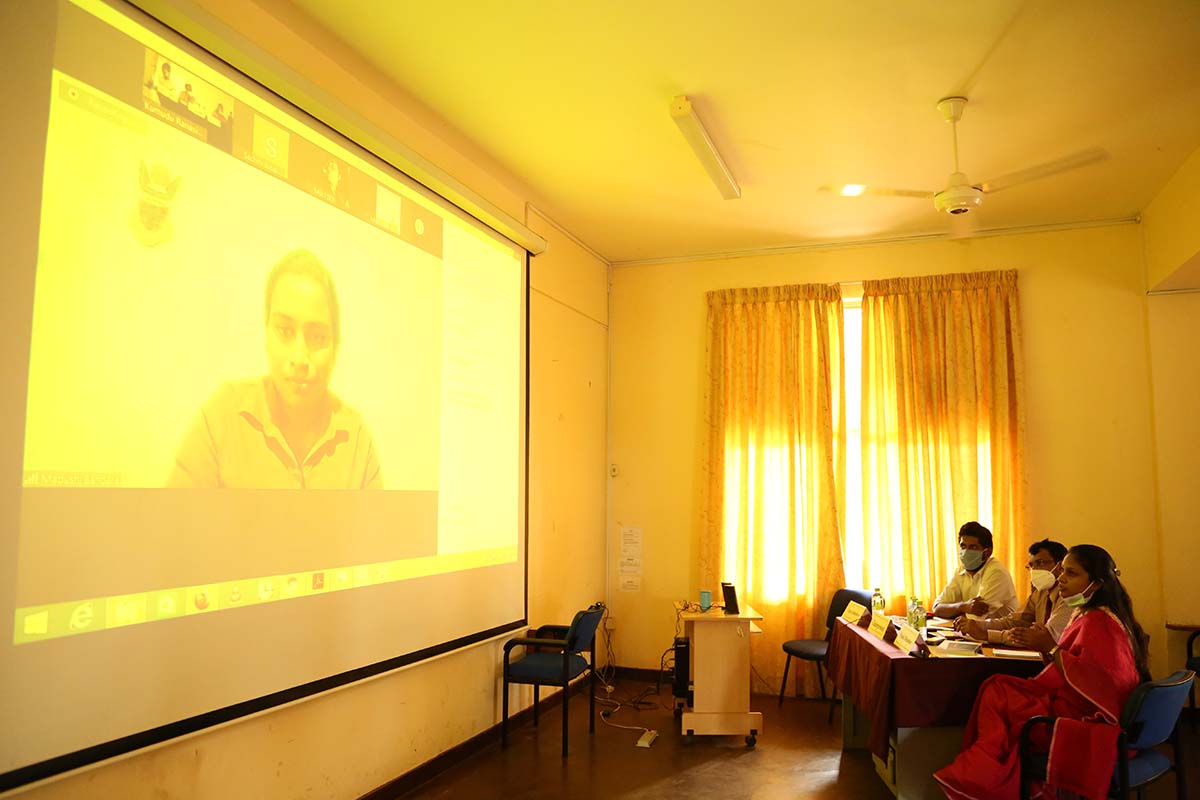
(208, 324)
(267, 405)
(170, 86)
(248, 324)
(286, 429)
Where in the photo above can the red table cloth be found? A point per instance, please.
(896, 690)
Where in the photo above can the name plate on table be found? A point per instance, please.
(879, 625)
(853, 612)
(906, 638)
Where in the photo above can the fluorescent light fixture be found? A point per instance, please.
(853, 189)
(702, 145)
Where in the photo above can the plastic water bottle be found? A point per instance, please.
(877, 602)
(912, 604)
(918, 615)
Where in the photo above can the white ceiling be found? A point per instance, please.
(573, 99)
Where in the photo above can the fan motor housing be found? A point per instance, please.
(958, 199)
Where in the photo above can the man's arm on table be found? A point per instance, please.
(950, 603)
(997, 630)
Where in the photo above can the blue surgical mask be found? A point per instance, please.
(971, 559)
(1078, 600)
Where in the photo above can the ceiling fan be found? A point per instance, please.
(960, 196)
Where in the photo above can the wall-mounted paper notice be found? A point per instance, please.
(629, 565)
(631, 543)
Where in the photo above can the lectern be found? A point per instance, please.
(720, 674)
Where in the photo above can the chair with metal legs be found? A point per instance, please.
(817, 649)
(554, 657)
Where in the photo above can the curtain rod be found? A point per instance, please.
(1157, 292)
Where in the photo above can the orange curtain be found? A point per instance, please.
(775, 422)
(941, 427)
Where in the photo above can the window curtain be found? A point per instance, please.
(775, 422)
(941, 427)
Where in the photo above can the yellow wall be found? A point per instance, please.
(568, 312)
(1172, 240)
(1089, 446)
(1174, 328)
(351, 741)
(1172, 225)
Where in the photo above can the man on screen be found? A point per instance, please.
(284, 430)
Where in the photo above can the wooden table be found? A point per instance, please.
(1194, 627)
(907, 711)
(720, 672)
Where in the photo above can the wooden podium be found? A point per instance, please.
(720, 673)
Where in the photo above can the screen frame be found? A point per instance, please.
(530, 244)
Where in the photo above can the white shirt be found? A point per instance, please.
(992, 582)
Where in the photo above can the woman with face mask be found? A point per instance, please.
(1089, 675)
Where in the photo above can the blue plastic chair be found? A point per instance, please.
(554, 657)
(1150, 717)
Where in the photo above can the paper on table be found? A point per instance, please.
(1004, 652)
(956, 650)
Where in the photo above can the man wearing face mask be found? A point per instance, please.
(1044, 606)
(983, 587)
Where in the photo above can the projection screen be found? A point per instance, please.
(264, 407)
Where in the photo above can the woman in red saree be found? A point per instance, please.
(1092, 670)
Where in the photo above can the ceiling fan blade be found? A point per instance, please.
(1081, 159)
(880, 191)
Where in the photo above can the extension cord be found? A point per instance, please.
(647, 738)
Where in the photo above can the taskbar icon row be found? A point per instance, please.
(51, 621)
(56, 620)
